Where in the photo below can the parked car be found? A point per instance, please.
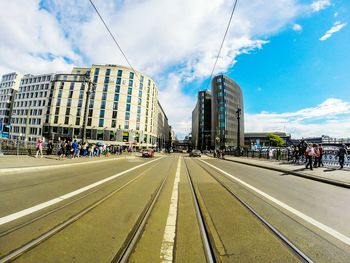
(148, 153)
(195, 153)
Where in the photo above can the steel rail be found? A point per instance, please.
(134, 235)
(209, 252)
(283, 238)
(36, 241)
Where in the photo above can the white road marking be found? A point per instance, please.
(308, 219)
(22, 213)
(167, 248)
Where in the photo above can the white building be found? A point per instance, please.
(8, 87)
(29, 111)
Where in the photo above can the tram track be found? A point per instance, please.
(17, 252)
(290, 245)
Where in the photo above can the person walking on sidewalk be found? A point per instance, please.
(341, 156)
(320, 162)
(317, 155)
(310, 153)
(39, 148)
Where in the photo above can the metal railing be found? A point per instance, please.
(283, 154)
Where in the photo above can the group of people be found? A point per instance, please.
(312, 154)
(74, 149)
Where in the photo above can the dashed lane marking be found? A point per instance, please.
(167, 248)
(28, 211)
(307, 218)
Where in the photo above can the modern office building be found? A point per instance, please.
(163, 132)
(105, 103)
(201, 121)
(227, 108)
(8, 87)
(29, 111)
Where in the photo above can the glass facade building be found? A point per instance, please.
(227, 99)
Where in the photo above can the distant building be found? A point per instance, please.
(256, 140)
(30, 107)
(103, 103)
(201, 122)
(163, 131)
(8, 87)
(227, 99)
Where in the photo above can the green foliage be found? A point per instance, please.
(275, 140)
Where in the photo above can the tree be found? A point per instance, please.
(275, 140)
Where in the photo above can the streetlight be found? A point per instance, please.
(88, 92)
(238, 114)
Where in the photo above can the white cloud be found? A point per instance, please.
(32, 40)
(297, 27)
(336, 14)
(332, 117)
(337, 26)
(319, 5)
(182, 37)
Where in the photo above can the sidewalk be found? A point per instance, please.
(10, 163)
(330, 175)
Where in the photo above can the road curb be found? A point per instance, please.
(303, 175)
(55, 166)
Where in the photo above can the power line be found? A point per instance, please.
(115, 41)
(223, 40)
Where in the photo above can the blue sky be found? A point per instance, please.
(294, 76)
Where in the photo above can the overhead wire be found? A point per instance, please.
(223, 40)
(114, 39)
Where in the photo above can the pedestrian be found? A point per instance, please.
(49, 148)
(75, 149)
(320, 162)
(341, 156)
(62, 150)
(39, 148)
(310, 153)
(317, 155)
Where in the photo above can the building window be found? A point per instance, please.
(108, 71)
(131, 75)
(114, 114)
(128, 99)
(97, 71)
(56, 120)
(127, 115)
(128, 107)
(114, 123)
(77, 121)
(120, 72)
(117, 89)
(101, 123)
(129, 91)
(118, 81)
(66, 120)
(89, 121)
(130, 83)
(104, 96)
(116, 97)
(115, 105)
(126, 125)
(103, 104)
(102, 114)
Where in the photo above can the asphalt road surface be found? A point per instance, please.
(171, 208)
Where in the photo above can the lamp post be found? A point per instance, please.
(238, 115)
(90, 89)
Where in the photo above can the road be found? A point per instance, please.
(171, 208)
